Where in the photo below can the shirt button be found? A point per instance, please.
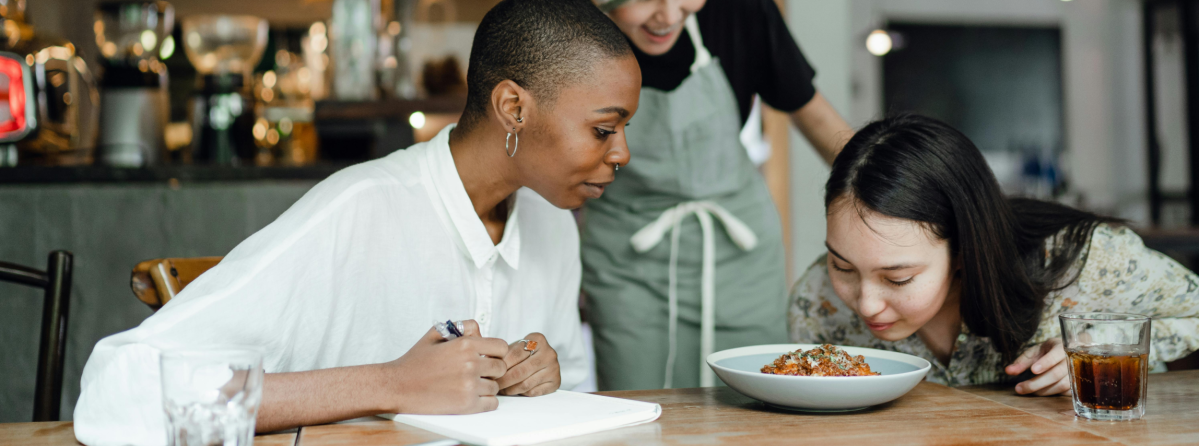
(483, 318)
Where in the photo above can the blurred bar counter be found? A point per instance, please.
(372, 129)
(399, 110)
(349, 132)
(167, 173)
(1182, 240)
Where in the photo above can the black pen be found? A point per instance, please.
(450, 329)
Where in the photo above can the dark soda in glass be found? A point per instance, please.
(1108, 377)
(1109, 363)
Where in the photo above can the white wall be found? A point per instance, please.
(1105, 111)
(1102, 79)
(821, 28)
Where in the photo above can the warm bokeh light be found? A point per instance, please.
(319, 42)
(282, 58)
(417, 120)
(260, 129)
(149, 40)
(168, 48)
(878, 42)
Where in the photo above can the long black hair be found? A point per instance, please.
(917, 168)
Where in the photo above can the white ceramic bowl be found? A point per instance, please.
(740, 368)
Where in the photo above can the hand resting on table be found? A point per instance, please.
(1048, 362)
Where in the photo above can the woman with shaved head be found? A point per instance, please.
(340, 290)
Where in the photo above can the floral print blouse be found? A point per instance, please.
(1118, 274)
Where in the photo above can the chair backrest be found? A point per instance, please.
(52, 345)
(156, 282)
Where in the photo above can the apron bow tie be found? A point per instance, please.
(649, 236)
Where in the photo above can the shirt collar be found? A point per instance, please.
(509, 246)
(470, 229)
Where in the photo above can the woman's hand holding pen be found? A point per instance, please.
(531, 373)
(445, 377)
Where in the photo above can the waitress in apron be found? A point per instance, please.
(683, 255)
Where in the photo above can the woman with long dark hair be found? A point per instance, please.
(926, 256)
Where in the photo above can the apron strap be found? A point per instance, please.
(652, 234)
(702, 56)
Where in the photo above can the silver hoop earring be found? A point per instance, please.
(514, 146)
(617, 167)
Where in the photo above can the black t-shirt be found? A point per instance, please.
(755, 49)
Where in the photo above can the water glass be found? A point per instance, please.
(1109, 363)
(211, 396)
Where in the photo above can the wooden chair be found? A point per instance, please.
(156, 282)
(56, 281)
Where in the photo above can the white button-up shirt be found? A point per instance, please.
(355, 272)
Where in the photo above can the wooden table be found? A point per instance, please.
(1172, 416)
(929, 414)
(56, 433)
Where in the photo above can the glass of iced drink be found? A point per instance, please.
(211, 396)
(1109, 363)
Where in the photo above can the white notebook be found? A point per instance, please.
(522, 420)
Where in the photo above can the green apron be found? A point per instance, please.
(664, 289)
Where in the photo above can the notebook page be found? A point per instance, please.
(523, 420)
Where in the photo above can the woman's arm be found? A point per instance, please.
(822, 126)
(1121, 274)
(319, 397)
(434, 377)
